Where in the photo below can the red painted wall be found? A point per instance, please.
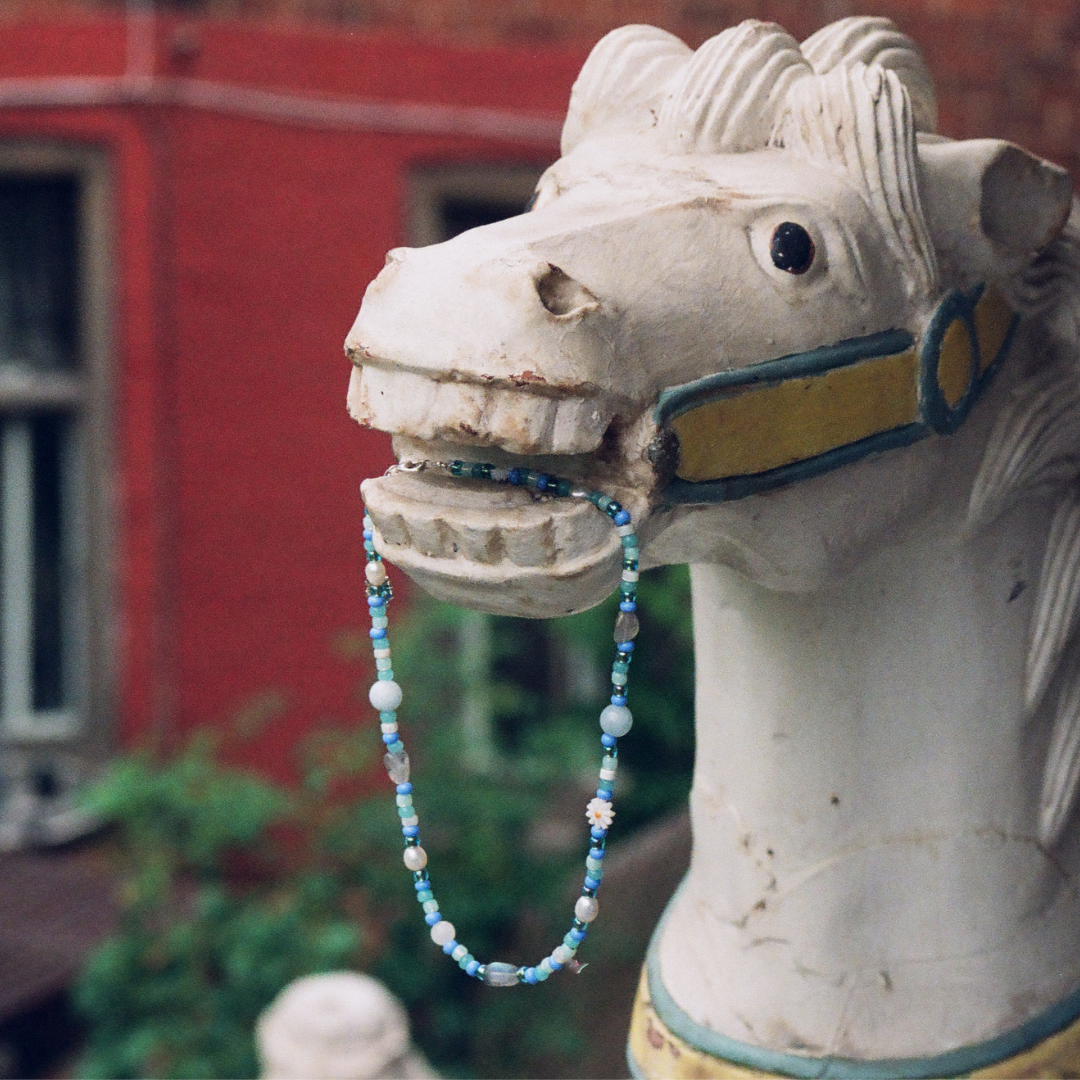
(243, 247)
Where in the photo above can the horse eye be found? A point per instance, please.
(791, 248)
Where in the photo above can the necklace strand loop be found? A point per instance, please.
(615, 721)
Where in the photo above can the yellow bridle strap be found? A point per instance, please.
(757, 427)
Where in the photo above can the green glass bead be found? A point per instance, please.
(457, 468)
(563, 488)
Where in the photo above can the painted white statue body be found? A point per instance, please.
(888, 694)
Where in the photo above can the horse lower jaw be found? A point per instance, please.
(497, 548)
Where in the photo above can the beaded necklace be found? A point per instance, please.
(615, 720)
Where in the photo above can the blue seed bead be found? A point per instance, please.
(603, 791)
(472, 967)
(404, 789)
(376, 601)
(576, 936)
(377, 632)
(555, 965)
(592, 883)
(514, 477)
(432, 917)
(410, 830)
(542, 482)
(621, 518)
(389, 737)
(597, 833)
(369, 534)
(449, 947)
(625, 646)
(529, 975)
(422, 882)
(618, 699)
(608, 740)
(627, 605)
(597, 853)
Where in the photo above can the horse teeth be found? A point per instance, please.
(519, 421)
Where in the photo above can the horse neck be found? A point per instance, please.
(865, 802)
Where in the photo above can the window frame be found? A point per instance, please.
(86, 395)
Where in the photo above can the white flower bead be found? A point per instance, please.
(599, 813)
(415, 858)
(442, 932)
(586, 909)
(385, 695)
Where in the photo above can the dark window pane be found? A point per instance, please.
(38, 260)
(49, 433)
(458, 214)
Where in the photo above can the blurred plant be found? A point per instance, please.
(175, 992)
(501, 721)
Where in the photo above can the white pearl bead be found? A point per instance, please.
(415, 858)
(586, 909)
(385, 695)
(375, 573)
(442, 932)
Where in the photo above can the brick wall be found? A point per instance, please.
(1009, 69)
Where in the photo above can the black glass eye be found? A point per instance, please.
(791, 248)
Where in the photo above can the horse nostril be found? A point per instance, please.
(562, 295)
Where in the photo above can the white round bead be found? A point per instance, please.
(562, 954)
(586, 909)
(442, 932)
(375, 572)
(415, 858)
(385, 695)
(616, 719)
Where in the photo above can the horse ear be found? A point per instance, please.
(991, 206)
(622, 84)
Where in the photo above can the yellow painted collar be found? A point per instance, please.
(759, 427)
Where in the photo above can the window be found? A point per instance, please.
(447, 200)
(53, 455)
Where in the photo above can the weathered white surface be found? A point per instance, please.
(339, 1026)
(888, 700)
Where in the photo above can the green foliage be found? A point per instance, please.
(176, 991)
(500, 717)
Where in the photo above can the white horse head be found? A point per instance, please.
(828, 358)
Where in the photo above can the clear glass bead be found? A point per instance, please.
(397, 766)
(626, 627)
(500, 974)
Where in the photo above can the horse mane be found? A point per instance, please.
(1033, 450)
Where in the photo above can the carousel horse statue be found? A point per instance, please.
(828, 358)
